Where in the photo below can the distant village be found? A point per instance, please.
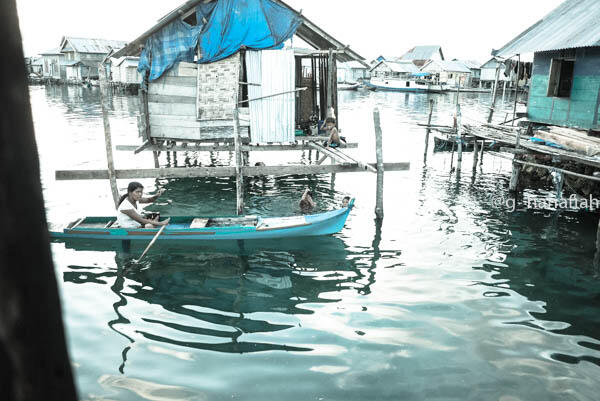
(75, 61)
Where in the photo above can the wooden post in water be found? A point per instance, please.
(481, 153)
(475, 153)
(516, 170)
(108, 142)
(379, 156)
(516, 89)
(493, 105)
(239, 178)
(458, 140)
(428, 129)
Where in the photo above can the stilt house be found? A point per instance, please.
(210, 58)
(565, 81)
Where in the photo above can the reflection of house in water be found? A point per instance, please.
(222, 286)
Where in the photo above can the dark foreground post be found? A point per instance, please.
(379, 155)
(33, 354)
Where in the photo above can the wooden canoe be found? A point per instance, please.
(212, 228)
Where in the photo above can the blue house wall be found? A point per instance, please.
(581, 109)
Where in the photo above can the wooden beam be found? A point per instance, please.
(225, 148)
(380, 165)
(329, 153)
(224, 171)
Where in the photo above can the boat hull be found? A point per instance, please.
(394, 85)
(179, 229)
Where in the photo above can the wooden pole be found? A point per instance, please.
(458, 139)
(152, 242)
(516, 89)
(239, 178)
(475, 153)
(493, 105)
(481, 153)
(108, 144)
(428, 129)
(329, 82)
(516, 171)
(379, 156)
(596, 262)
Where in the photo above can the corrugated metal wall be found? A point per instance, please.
(271, 119)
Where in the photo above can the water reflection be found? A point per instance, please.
(214, 294)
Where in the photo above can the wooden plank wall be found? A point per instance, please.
(172, 109)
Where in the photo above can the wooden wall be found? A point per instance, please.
(172, 109)
(582, 108)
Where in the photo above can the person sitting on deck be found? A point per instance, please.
(306, 202)
(334, 137)
(128, 215)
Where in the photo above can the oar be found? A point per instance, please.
(152, 242)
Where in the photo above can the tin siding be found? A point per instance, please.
(581, 109)
(271, 119)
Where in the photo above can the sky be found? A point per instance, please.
(465, 29)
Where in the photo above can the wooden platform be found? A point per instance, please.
(224, 171)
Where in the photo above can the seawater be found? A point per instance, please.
(450, 298)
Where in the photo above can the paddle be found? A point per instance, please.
(152, 242)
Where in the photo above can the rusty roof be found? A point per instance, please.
(575, 23)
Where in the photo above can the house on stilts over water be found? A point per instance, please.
(208, 58)
(565, 81)
(216, 76)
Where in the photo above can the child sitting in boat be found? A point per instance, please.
(306, 202)
(128, 214)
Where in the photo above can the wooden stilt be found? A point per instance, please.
(379, 156)
(475, 153)
(239, 178)
(493, 105)
(458, 139)
(155, 156)
(481, 154)
(597, 254)
(514, 177)
(108, 142)
(516, 89)
(428, 130)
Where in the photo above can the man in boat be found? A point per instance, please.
(128, 214)
(306, 202)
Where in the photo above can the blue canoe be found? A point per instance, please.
(212, 228)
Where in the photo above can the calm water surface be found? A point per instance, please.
(448, 299)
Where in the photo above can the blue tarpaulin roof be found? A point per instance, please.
(421, 74)
(231, 24)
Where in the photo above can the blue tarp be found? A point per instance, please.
(231, 24)
(255, 24)
(421, 74)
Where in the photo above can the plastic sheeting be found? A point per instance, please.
(231, 24)
(271, 119)
(255, 24)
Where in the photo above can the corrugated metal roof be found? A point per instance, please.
(85, 45)
(352, 65)
(398, 66)
(308, 31)
(51, 52)
(575, 23)
(128, 61)
(470, 64)
(422, 53)
(451, 66)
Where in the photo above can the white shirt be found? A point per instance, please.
(122, 219)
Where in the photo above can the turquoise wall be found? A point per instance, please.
(582, 108)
